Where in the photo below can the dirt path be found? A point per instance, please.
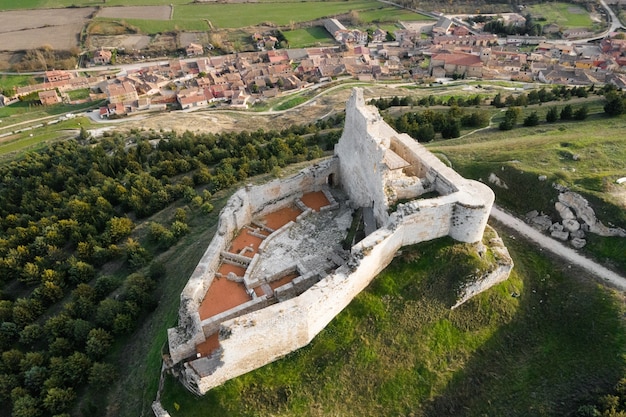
(557, 248)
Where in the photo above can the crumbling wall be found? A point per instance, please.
(239, 211)
(361, 149)
(256, 338)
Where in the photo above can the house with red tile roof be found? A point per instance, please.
(194, 49)
(102, 57)
(123, 92)
(49, 97)
(466, 65)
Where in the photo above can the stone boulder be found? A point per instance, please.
(532, 214)
(564, 211)
(579, 205)
(556, 227)
(571, 225)
(493, 178)
(578, 243)
(561, 235)
(541, 222)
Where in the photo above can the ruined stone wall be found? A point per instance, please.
(362, 148)
(238, 212)
(276, 194)
(256, 338)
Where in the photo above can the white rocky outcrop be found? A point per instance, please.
(502, 268)
(583, 211)
(497, 181)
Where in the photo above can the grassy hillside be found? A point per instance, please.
(585, 156)
(398, 350)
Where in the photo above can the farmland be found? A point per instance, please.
(34, 28)
(301, 38)
(235, 16)
(136, 12)
(563, 14)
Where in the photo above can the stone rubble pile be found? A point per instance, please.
(576, 219)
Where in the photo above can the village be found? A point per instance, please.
(421, 52)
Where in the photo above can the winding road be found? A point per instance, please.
(557, 248)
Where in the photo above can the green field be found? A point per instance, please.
(390, 14)
(566, 15)
(228, 16)
(9, 82)
(237, 15)
(313, 36)
(23, 142)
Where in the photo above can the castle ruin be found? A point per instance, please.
(289, 255)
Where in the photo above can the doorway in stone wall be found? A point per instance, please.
(331, 180)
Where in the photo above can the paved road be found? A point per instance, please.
(559, 249)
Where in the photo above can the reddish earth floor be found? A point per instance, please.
(281, 217)
(221, 296)
(284, 280)
(275, 284)
(224, 269)
(205, 348)
(259, 291)
(315, 200)
(245, 239)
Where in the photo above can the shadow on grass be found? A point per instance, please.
(399, 350)
(564, 348)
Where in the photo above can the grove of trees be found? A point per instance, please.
(423, 126)
(76, 276)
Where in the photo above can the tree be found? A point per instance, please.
(510, 118)
(106, 312)
(567, 113)
(31, 334)
(581, 113)
(60, 346)
(136, 255)
(614, 105)
(123, 323)
(119, 227)
(75, 368)
(26, 406)
(34, 378)
(102, 374)
(497, 101)
(552, 115)
(26, 310)
(532, 119)
(98, 343)
(451, 129)
(425, 133)
(179, 229)
(206, 208)
(160, 234)
(58, 400)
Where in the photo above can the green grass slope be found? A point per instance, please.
(398, 350)
(585, 156)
